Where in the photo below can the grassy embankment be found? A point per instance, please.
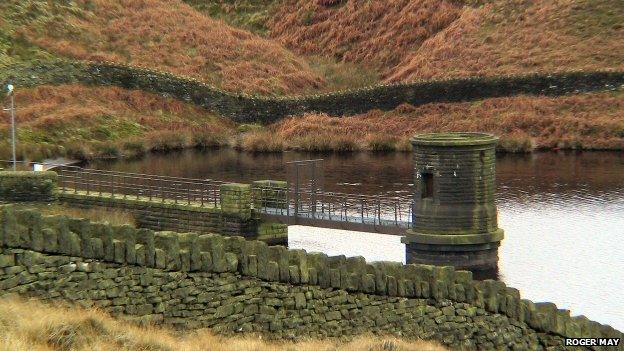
(80, 122)
(585, 121)
(335, 51)
(159, 34)
(428, 39)
(96, 214)
(33, 326)
(85, 122)
(511, 37)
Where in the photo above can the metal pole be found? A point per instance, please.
(13, 130)
(313, 166)
(202, 191)
(175, 193)
(76, 182)
(397, 208)
(362, 210)
(379, 209)
(296, 190)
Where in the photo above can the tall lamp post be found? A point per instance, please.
(10, 89)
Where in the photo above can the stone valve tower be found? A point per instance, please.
(454, 215)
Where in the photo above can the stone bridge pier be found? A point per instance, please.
(454, 215)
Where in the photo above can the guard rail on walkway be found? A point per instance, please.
(377, 213)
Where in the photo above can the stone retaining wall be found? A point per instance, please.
(248, 108)
(156, 215)
(24, 186)
(272, 233)
(232, 216)
(233, 284)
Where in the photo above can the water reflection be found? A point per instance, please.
(563, 214)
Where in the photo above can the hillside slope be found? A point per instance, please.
(161, 34)
(423, 39)
(377, 33)
(85, 122)
(524, 123)
(398, 40)
(510, 37)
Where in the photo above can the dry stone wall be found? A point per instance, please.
(236, 285)
(231, 303)
(248, 108)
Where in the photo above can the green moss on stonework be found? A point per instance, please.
(128, 200)
(455, 239)
(272, 229)
(454, 139)
(27, 186)
(235, 187)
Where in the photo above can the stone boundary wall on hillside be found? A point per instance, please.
(184, 253)
(258, 109)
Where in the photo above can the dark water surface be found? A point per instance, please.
(563, 215)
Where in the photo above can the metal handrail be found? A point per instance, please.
(375, 209)
(371, 209)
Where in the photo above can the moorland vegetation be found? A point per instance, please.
(286, 47)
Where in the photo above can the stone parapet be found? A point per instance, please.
(235, 200)
(27, 186)
(270, 193)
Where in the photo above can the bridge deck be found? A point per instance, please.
(335, 221)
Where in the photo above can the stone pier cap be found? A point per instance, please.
(454, 139)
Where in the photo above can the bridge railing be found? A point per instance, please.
(380, 209)
(139, 186)
(198, 192)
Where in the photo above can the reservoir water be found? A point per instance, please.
(563, 215)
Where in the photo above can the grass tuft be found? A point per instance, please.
(97, 214)
(261, 141)
(32, 325)
(167, 141)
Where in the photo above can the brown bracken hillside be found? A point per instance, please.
(524, 123)
(422, 39)
(167, 35)
(85, 122)
(519, 36)
(335, 44)
(378, 33)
